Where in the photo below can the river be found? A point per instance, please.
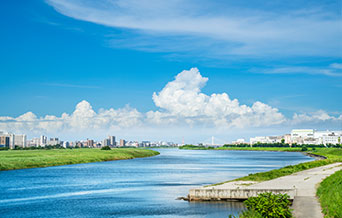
(143, 187)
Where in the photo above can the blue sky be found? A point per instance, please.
(56, 53)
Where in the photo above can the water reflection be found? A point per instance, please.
(144, 187)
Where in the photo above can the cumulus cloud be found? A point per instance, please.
(182, 100)
(180, 104)
(84, 118)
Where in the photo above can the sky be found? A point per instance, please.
(170, 70)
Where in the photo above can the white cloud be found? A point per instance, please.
(334, 69)
(84, 118)
(182, 99)
(288, 32)
(314, 117)
(181, 105)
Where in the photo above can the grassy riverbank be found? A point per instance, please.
(333, 155)
(329, 191)
(330, 195)
(21, 159)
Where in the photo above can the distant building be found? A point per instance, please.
(106, 142)
(303, 133)
(331, 139)
(287, 138)
(20, 140)
(35, 142)
(122, 142)
(11, 138)
(53, 141)
(90, 143)
(112, 141)
(239, 141)
(145, 144)
(66, 144)
(43, 140)
(5, 141)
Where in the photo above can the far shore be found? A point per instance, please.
(23, 159)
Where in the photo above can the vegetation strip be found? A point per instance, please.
(330, 195)
(21, 159)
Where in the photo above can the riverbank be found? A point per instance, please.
(300, 187)
(330, 201)
(22, 159)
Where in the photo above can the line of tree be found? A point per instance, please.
(279, 144)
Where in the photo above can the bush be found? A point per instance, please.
(270, 205)
(304, 148)
(105, 148)
(250, 214)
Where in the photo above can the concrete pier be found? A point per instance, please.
(215, 194)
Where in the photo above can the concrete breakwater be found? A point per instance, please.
(214, 194)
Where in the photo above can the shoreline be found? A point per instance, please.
(302, 199)
(28, 159)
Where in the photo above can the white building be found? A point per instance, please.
(53, 141)
(35, 142)
(331, 139)
(66, 144)
(239, 141)
(20, 140)
(302, 133)
(43, 140)
(265, 139)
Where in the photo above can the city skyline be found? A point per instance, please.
(170, 70)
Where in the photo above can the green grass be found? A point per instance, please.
(330, 195)
(20, 159)
(333, 155)
(295, 149)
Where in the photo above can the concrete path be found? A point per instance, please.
(305, 203)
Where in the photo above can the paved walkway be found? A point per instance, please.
(305, 203)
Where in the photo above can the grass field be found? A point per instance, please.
(330, 195)
(296, 149)
(20, 159)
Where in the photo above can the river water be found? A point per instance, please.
(143, 187)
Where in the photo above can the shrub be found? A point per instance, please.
(304, 148)
(105, 148)
(250, 214)
(270, 205)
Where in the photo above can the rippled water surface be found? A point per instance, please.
(145, 187)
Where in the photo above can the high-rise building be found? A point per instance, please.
(43, 140)
(90, 143)
(4, 141)
(66, 144)
(112, 141)
(106, 142)
(122, 142)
